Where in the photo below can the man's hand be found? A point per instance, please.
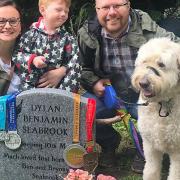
(39, 62)
(52, 77)
(99, 87)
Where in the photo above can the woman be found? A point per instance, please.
(10, 29)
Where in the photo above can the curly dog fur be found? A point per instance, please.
(157, 78)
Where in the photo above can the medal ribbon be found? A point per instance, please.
(76, 118)
(3, 100)
(90, 115)
(11, 112)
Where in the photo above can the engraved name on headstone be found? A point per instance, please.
(45, 125)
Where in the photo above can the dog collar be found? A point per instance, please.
(165, 108)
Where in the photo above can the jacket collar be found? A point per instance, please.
(40, 26)
(93, 25)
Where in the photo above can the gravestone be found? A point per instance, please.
(45, 125)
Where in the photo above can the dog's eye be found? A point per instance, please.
(160, 64)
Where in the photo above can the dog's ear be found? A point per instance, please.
(178, 62)
(178, 65)
(178, 57)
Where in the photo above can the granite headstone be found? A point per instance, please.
(45, 125)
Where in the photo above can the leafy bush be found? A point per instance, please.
(80, 9)
(77, 20)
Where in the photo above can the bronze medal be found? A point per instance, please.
(90, 161)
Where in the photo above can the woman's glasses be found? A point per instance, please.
(12, 21)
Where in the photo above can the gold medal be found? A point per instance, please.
(73, 155)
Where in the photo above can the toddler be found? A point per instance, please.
(47, 46)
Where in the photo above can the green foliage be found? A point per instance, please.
(29, 11)
(80, 9)
(77, 20)
(134, 177)
(156, 15)
(126, 141)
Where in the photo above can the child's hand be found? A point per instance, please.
(39, 62)
(52, 77)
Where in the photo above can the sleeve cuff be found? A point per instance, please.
(31, 58)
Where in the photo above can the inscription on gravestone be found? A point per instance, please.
(45, 125)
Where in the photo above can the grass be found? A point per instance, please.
(125, 155)
(132, 178)
(125, 158)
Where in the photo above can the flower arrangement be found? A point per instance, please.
(103, 177)
(79, 174)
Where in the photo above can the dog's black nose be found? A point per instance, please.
(144, 83)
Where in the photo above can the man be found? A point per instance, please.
(109, 42)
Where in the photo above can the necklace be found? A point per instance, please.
(4, 66)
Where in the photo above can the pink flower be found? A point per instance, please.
(103, 177)
(78, 175)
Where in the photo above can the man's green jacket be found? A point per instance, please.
(142, 28)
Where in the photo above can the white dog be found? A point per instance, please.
(157, 77)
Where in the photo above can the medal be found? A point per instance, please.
(90, 159)
(14, 140)
(73, 154)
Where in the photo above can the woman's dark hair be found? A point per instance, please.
(10, 3)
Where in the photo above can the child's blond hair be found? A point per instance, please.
(47, 2)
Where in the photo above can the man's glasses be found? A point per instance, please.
(116, 7)
(12, 21)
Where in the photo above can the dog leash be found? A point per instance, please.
(112, 101)
(132, 104)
